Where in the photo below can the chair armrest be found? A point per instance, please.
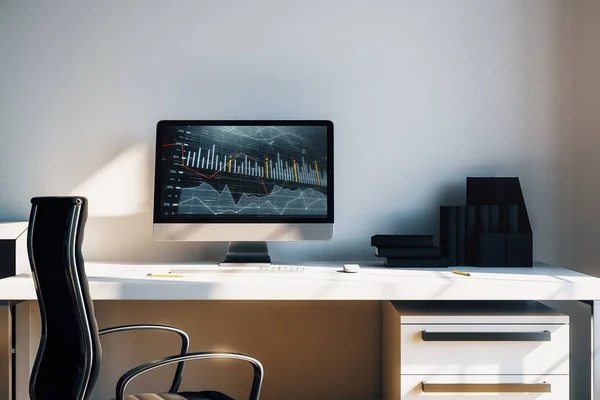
(134, 372)
(185, 345)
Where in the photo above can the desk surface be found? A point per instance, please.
(324, 281)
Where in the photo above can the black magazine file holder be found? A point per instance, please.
(508, 239)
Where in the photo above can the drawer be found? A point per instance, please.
(458, 387)
(484, 349)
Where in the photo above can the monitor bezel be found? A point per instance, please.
(161, 219)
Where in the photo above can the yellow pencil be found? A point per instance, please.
(461, 273)
(164, 275)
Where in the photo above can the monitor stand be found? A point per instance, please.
(247, 254)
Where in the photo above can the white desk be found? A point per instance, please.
(324, 281)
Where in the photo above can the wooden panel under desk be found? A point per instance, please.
(5, 353)
(309, 349)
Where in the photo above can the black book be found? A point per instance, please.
(408, 252)
(441, 262)
(471, 241)
(402, 240)
(448, 232)
(461, 235)
(484, 218)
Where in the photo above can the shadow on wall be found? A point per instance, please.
(129, 238)
(119, 226)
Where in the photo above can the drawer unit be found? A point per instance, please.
(483, 387)
(451, 344)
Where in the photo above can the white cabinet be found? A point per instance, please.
(482, 349)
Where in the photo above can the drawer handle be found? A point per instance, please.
(485, 387)
(543, 336)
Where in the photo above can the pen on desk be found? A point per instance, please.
(164, 275)
(461, 273)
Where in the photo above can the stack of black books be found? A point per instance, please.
(491, 230)
(408, 251)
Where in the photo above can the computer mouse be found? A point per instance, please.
(352, 268)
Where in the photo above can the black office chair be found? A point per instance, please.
(69, 356)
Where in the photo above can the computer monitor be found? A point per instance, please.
(244, 182)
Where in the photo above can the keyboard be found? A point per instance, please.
(270, 268)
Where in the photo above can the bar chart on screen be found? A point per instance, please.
(244, 164)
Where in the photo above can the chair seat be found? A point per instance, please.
(204, 395)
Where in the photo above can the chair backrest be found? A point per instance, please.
(69, 356)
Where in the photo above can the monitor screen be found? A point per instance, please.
(244, 171)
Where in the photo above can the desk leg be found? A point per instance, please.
(26, 343)
(595, 350)
(5, 352)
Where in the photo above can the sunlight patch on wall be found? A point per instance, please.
(122, 187)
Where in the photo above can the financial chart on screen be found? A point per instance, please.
(243, 172)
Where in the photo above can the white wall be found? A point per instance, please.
(423, 93)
